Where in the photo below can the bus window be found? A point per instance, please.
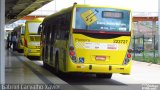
(64, 23)
(22, 30)
(53, 35)
(102, 19)
(46, 40)
(33, 27)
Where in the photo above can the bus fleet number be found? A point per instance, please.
(120, 41)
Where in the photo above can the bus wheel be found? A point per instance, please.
(28, 57)
(56, 65)
(108, 76)
(44, 64)
(42, 56)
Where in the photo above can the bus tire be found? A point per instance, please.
(28, 57)
(57, 64)
(44, 65)
(108, 76)
(20, 51)
(42, 56)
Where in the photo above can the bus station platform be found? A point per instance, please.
(21, 70)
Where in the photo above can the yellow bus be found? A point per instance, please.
(31, 38)
(88, 39)
(19, 32)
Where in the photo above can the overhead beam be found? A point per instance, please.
(136, 19)
(26, 7)
(31, 17)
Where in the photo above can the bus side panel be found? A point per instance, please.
(61, 46)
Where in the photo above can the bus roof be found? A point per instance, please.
(58, 13)
(35, 20)
(91, 6)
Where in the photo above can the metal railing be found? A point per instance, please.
(145, 48)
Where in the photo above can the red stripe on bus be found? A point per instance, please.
(102, 32)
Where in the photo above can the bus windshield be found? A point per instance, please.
(22, 30)
(102, 19)
(33, 27)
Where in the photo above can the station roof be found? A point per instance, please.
(16, 9)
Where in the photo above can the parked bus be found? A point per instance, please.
(19, 32)
(31, 38)
(88, 39)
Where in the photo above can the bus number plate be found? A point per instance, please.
(120, 41)
(100, 57)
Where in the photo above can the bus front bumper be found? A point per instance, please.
(95, 68)
(33, 52)
(21, 46)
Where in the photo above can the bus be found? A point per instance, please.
(19, 32)
(88, 39)
(32, 38)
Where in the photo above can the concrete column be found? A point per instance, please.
(159, 27)
(2, 45)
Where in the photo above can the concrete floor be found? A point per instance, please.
(141, 73)
(21, 70)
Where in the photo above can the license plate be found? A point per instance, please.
(100, 57)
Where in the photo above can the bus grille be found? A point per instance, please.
(32, 38)
(35, 38)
